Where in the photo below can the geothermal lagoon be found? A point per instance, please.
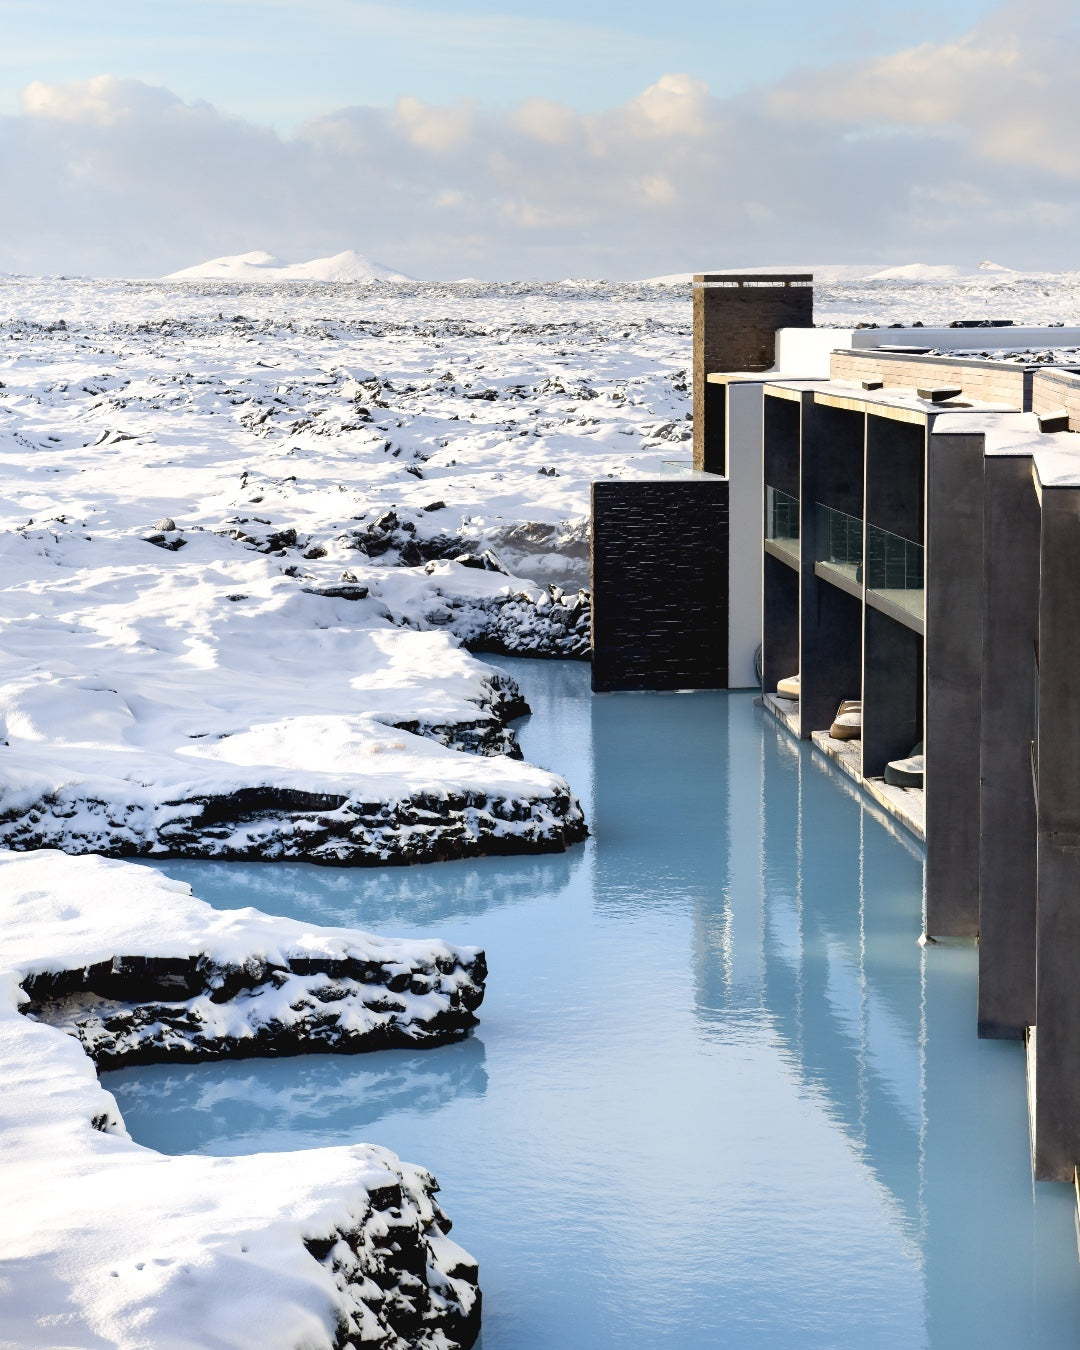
(718, 1095)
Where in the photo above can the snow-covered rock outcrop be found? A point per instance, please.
(151, 973)
(205, 702)
(105, 1242)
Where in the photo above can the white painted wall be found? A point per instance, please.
(746, 513)
(804, 352)
(964, 339)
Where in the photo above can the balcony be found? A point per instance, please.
(782, 526)
(894, 576)
(839, 549)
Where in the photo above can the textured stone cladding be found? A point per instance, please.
(735, 323)
(1052, 390)
(659, 585)
(982, 381)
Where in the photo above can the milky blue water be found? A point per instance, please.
(719, 1096)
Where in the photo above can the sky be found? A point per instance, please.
(502, 139)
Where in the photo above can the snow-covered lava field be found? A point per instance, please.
(250, 536)
(245, 527)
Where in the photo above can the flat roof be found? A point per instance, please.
(1057, 465)
(902, 405)
(1007, 434)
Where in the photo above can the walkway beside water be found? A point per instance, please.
(718, 1096)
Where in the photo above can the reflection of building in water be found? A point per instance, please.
(818, 938)
(653, 836)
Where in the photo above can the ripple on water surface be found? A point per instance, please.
(718, 1095)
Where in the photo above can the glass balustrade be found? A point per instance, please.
(839, 545)
(782, 522)
(894, 569)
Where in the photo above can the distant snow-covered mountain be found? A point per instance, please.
(259, 266)
(840, 272)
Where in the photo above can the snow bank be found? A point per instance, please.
(213, 984)
(110, 1243)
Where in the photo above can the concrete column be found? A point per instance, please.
(1054, 1066)
(954, 647)
(746, 511)
(1007, 852)
(781, 583)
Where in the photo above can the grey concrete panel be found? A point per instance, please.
(954, 646)
(745, 514)
(830, 652)
(1007, 852)
(660, 584)
(833, 450)
(1056, 1106)
(831, 628)
(895, 474)
(781, 443)
(892, 691)
(780, 622)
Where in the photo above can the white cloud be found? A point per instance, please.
(962, 149)
(430, 128)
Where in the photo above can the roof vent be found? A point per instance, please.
(940, 393)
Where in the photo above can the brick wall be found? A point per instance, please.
(1055, 389)
(660, 584)
(982, 381)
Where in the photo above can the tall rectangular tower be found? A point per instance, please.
(736, 316)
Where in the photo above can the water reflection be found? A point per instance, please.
(724, 1098)
(260, 1105)
(365, 897)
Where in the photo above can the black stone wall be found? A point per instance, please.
(660, 584)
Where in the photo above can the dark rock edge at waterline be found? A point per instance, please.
(146, 1010)
(275, 824)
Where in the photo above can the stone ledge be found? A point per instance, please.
(907, 805)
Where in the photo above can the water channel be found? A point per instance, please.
(718, 1097)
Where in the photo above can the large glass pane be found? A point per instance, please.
(894, 569)
(782, 521)
(840, 543)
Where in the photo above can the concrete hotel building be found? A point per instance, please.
(894, 518)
